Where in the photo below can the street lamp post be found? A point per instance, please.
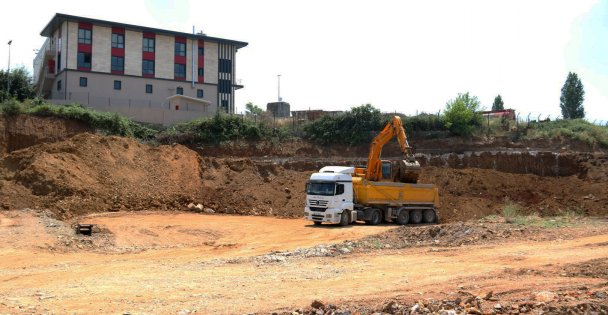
(8, 81)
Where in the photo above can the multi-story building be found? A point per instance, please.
(152, 75)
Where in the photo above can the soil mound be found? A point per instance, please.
(92, 173)
(239, 186)
(475, 193)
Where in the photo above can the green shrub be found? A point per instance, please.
(353, 127)
(510, 211)
(11, 108)
(215, 130)
(424, 122)
(461, 115)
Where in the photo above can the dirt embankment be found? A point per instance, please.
(303, 148)
(92, 173)
(22, 131)
(584, 165)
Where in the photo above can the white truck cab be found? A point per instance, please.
(329, 193)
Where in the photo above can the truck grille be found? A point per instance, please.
(317, 217)
(322, 203)
(317, 209)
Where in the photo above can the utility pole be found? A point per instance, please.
(8, 81)
(279, 86)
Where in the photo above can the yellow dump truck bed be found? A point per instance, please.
(394, 194)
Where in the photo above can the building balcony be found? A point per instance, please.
(44, 68)
(238, 84)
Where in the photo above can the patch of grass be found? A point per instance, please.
(574, 213)
(510, 211)
(577, 129)
(535, 220)
(513, 214)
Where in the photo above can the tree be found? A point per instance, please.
(461, 114)
(21, 84)
(498, 103)
(356, 126)
(251, 109)
(573, 95)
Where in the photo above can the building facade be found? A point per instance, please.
(135, 70)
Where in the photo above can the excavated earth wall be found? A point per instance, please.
(537, 163)
(91, 173)
(22, 131)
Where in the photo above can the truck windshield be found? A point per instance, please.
(322, 189)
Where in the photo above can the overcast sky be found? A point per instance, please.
(404, 56)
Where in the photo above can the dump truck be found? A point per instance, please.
(383, 191)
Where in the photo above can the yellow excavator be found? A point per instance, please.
(383, 191)
(405, 171)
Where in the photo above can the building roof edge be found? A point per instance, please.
(60, 17)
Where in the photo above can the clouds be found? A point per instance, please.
(398, 55)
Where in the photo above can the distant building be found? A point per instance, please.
(136, 70)
(278, 109)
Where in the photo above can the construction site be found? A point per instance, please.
(167, 229)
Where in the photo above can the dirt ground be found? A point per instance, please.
(181, 263)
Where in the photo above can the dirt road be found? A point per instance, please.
(164, 263)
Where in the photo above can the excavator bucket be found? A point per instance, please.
(409, 171)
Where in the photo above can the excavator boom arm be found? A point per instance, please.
(393, 128)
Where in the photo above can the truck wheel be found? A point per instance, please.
(344, 218)
(404, 217)
(429, 216)
(316, 222)
(376, 217)
(415, 216)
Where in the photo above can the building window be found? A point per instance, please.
(149, 44)
(149, 88)
(148, 67)
(225, 66)
(201, 51)
(180, 49)
(179, 91)
(58, 62)
(59, 85)
(117, 85)
(118, 63)
(180, 70)
(118, 40)
(224, 86)
(84, 60)
(225, 105)
(200, 72)
(199, 93)
(84, 36)
(84, 81)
